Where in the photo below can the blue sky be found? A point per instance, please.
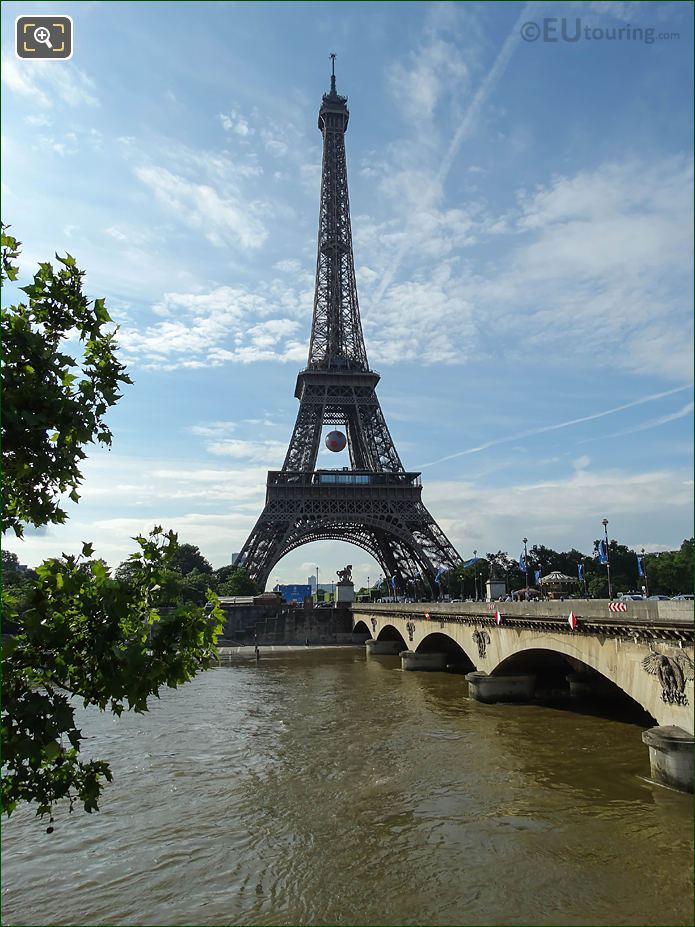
(522, 224)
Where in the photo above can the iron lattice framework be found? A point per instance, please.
(375, 504)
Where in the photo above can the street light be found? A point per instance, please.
(475, 567)
(644, 574)
(526, 565)
(608, 559)
(317, 585)
(369, 590)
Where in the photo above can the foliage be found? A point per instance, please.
(188, 558)
(178, 588)
(53, 402)
(668, 573)
(236, 582)
(464, 580)
(17, 583)
(671, 572)
(78, 632)
(90, 635)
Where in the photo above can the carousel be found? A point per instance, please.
(557, 585)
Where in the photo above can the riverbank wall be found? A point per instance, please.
(280, 624)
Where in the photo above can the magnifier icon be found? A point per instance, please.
(43, 35)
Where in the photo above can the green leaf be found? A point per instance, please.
(52, 750)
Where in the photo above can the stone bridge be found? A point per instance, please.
(537, 651)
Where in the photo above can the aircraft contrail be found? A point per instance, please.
(484, 90)
(573, 421)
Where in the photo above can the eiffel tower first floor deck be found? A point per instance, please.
(382, 513)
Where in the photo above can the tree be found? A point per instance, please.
(237, 582)
(671, 572)
(53, 402)
(188, 558)
(80, 631)
(467, 581)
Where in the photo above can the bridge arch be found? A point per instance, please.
(553, 660)
(360, 628)
(437, 642)
(390, 633)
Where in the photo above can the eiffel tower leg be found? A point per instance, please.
(306, 437)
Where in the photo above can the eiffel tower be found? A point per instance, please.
(376, 503)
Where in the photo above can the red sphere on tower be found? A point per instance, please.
(336, 441)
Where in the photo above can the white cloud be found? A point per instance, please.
(563, 512)
(45, 84)
(269, 453)
(38, 120)
(222, 217)
(228, 324)
(603, 254)
(235, 122)
(418, 84)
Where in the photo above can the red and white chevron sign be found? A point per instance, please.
(617, 607)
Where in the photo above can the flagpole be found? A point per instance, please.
(646, 581)
(526, 566)
(608, 559)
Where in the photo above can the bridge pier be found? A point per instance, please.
(424, 661)
(671, 756)
(490, 689)
(383, 647)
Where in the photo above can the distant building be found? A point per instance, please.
(312, 582)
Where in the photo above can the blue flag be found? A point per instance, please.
(640, 566)
(602, 552)
(438, 577)
(580, 571)
(537, 577)
(522, 563)
(393, 583)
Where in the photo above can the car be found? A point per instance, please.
(631, 597)
(658, 598)
(683, 597)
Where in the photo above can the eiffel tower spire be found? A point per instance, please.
(375, 503)
(336, 331)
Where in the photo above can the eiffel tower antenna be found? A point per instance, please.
(375, 503)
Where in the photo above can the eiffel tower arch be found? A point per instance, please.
(375, 504)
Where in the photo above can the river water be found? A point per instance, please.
(322, 787)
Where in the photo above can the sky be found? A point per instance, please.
(522, 219)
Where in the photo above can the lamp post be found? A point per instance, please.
(608, 559)
(586, 588)
(644, 570)
(369, 590)
(526, 565)
(475, 567)
(317, 585)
